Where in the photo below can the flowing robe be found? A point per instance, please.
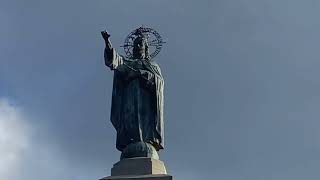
(137, 101)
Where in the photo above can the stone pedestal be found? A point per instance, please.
(140, 177)
(139, 169)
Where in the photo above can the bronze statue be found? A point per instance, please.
(137, 97)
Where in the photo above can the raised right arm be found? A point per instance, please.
(115, 61)
(111, 58)
(108, 51)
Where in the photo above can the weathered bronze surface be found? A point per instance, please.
(137, 98)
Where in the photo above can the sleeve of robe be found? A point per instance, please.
(159, 87)
(154, 81)
(116, 62)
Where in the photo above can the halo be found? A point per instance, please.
(154, 41)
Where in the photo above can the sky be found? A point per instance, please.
(242, 89)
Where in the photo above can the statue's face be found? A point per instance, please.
(140, 48)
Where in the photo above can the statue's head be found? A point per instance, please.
(140, 46)
(143, 43)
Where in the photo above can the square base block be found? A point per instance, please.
(138, 166)
(140, 177)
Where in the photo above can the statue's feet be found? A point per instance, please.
(139, 149)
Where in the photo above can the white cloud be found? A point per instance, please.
(21, 155)
(13, 138)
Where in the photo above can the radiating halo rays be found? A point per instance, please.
(153, 38)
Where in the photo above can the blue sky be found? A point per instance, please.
(242, 92)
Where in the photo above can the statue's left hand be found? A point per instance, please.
(145, 74)
(148, 77)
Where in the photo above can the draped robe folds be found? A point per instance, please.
(137, 101)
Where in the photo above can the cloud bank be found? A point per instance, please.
(14, 139)
(20, 154)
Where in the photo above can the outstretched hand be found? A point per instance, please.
(105, 35)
